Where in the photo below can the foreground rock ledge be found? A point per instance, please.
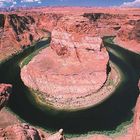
(26, 132)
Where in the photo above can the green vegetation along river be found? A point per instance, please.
(108, 117)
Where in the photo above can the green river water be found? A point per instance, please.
(108, 117)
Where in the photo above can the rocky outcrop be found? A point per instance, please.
(18, 31)
(19, 132)
(96, 24)
(136, 127)
(106, 24)
(5, 91)
(73, 67)
(76, 24)
(129, 36)
(26, 132)
(57, 136)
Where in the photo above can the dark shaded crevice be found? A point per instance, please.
(108, 69)
(93, 16)
(88, 49)
(2, 20)
(77, 54)
(20, 23)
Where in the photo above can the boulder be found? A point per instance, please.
(5, 91)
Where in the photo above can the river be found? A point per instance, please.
(108, 117)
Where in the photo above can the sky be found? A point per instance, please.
(95, 3)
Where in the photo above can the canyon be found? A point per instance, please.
(76, 70)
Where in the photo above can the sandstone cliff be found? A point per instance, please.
(18, 31)
(129, 36)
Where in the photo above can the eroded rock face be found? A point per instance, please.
(19, 30)
(26, 132)
(136, 128)
(74, 66)
(129, 36)
(96, 24)
(5, 91)
(19, 132)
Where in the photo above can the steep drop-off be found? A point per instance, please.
(19, 31)
(129, 35)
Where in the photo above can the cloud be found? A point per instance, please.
(6, 1)
(135, 3)
(25, 1)
(3, 3)
(12, 3)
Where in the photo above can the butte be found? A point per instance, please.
(71, 73)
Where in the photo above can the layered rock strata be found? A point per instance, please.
(19, 31)
(129, 36)
(73, 67)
